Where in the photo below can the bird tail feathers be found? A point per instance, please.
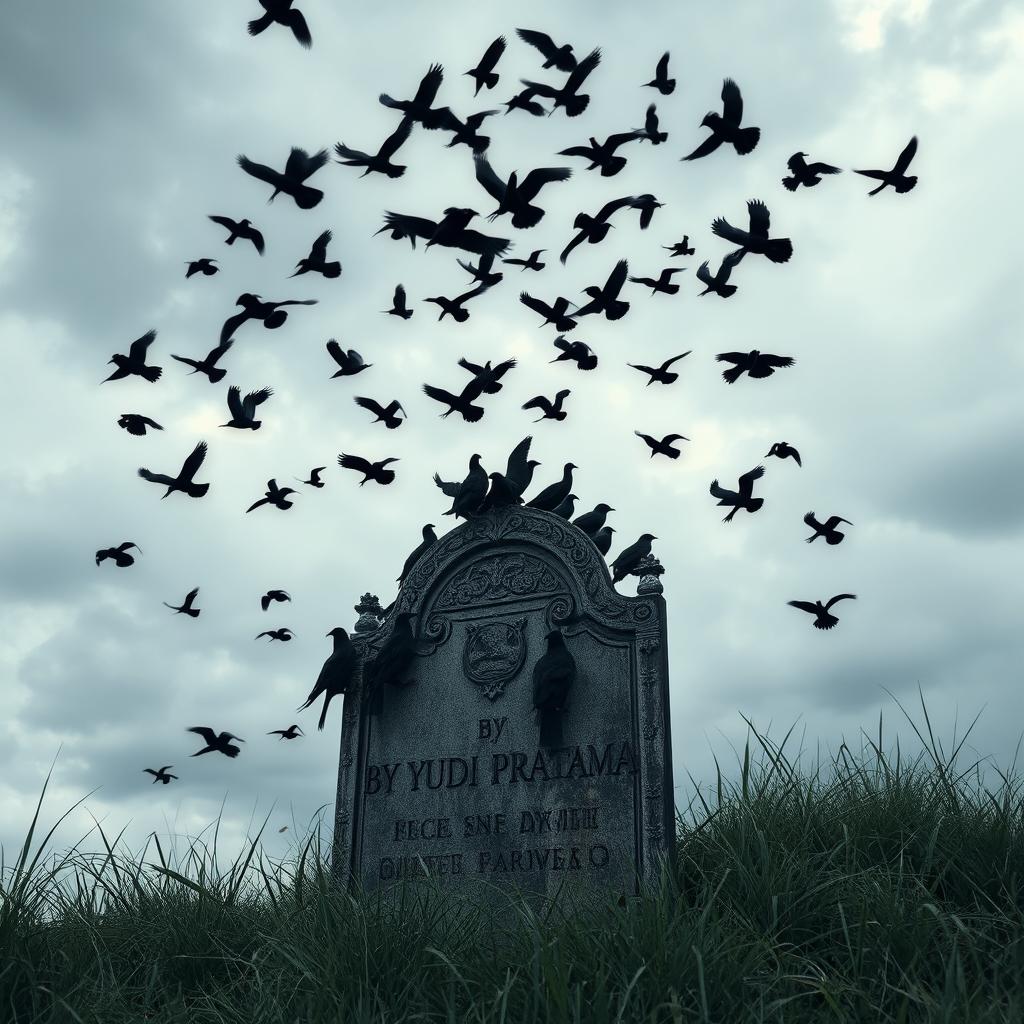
(152, 373)
(575, 105)
(746, 140)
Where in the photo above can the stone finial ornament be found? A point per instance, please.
(650, 571)
(371, 615)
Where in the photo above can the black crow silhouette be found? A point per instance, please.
(550, 410)
(314, 478)
(742, 497)
(533, 263)
(467, 133)
(419, 107)
(514, 196)
(594, 229)
(664, 446)
(184, 481)
(399, 307)
(380, 161)
(783, 450)
(630, 558)
(204, 266)
(161, 774)
(186, 606)
(524, 101)
(376, 471)
(135, 423)
(519, 467)
(282, 12)
(316, 262)
(119, 555)
(336, 674)
(349, 363)
(803, 173)
(276, 496)
(754, 363)
(603, 539)
(272, 596)
(450, 231)
(560, 57)
(299, 167)
(897, 177)
(662, 374)
(651, 129)
(756, 240)
(482, 271)
(254, 308)
(605, 298)
(487, 376)
(663, 283)
(240, 229)
(719, 283)
(591, 522)
(602, 155)
(568, 95)
(823, 618)
(553, 678)
(291, 733)
(388, 415)
(456, 308)
(134, 364)
(394, 658)
(484, 74)
(566, 507)
(557, 313)
(216, 741)
(554, 494)
(461, 403)
(578, 352)
(725, 127)
(468, 495)
(243, 411)
(827, 529)
(208, 364)
(283, 634)
(429, 539)
(682, 248)
(665, 85)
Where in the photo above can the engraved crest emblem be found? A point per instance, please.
(494, 653)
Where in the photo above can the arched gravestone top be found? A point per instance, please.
(447, 775)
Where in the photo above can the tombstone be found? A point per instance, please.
(446, 776)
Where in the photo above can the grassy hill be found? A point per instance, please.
(866, 889)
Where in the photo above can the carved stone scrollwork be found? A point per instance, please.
(560, 611)
(494, 652)
(498, 578)
(436, 632)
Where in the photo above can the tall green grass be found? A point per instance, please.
(865, 888)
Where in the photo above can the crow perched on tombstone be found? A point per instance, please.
(553, 678)
(335, 675)
(629, 558)
(429, 539)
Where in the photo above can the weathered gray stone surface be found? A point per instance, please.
(450, 777)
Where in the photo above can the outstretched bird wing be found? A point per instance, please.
(235, 406)
(839, 597)
(137, 349)
(811, 521)
(709, 145)
(539, 177)
(337, 353)
(903, 161)
(732, 103)
(579, 74)
(483, 245)
(759, 218)
(191, 465)
(297, 23)
(447, 487)
(260, 171)
(537, 305)
(429, 84)
(300, 165)
(224, 222)
(412, 227)
(368, 403)
(616, 279)
(390, 146)
(253, 399)
(804, 606)
(721, 227)
(777, 360)
(232, 324)
(540, 402)
(205, 731)
(739, 358)
(354, 462)
(543, 42)
(318, 251)
(723, 493)
(494, 186)
(746, 482)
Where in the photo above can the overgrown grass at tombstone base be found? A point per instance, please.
(861, 889)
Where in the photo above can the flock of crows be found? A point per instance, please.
(515, 197)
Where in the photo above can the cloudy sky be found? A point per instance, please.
(122, 121)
